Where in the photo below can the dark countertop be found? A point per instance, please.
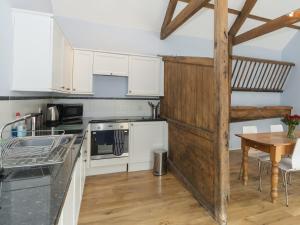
(122, 119)
(35, 196)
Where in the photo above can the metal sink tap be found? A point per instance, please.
(13, 122)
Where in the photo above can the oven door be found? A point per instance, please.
(107, 144)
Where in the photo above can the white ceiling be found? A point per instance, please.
(149, 14)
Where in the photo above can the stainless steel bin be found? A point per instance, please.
(160, 162)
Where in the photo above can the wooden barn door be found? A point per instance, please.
(196, 105)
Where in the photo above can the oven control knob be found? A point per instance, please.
(121, 127)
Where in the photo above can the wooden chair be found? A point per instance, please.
(276, 128)
(255, 154)
(289, 165)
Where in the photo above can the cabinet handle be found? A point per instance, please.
(63, 87)
(68, 89)
(130, 91)
(74, 89)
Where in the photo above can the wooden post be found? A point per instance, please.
(222, 99)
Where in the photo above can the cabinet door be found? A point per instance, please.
(77, 190)
(68, 66)
(83, 72)
(145, 137)
(110, 64)
(145, 76)
(32, 52)
(68, 209)
(58, 59)
(84, 160)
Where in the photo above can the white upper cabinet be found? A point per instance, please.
(42, 61)
(68, 66)
(83, 72)
(145, 76)
(32, 54)
(110, 64)
(58, 59)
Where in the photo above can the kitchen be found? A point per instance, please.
(91, 94)
(100, 122)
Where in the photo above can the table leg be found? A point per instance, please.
(275, 158)
(245, 149)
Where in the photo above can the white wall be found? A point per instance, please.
(8, 109)
(291, 94)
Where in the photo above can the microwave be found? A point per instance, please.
(69, 113)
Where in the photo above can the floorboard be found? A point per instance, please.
(142, 199)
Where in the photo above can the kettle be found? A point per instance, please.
(154, 109)
(52, 115)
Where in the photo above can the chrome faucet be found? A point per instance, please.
(13, 122)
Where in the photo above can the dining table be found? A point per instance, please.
(277, 144)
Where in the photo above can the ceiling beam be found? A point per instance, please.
(169, 14)
(193, 7)
(250, 16)
(268, 27)
(240, 20)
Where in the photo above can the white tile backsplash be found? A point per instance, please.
(111, 107)
(8, 108)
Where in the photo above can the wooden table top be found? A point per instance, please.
(273, 139)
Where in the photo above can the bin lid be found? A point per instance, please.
(160, 151)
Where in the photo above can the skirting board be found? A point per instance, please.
(106, 170)
(140, 166)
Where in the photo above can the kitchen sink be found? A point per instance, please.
(36, 151)
(33, 142)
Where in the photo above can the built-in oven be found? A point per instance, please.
(109, 140)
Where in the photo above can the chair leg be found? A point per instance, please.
(290, 178)
(260, 167)
(286, 188)
(241, 170)
(282, 175)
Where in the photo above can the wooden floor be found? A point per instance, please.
(142, 199)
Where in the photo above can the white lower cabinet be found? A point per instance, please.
(71, 208)
(145, 137)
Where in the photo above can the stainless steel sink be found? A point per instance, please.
(34, 142)
(36, 151)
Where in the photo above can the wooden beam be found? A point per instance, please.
(203, 61)
(250, 16)
(268, 27)
(247, 113)
(240, 20)
(221, 58)
(169, 14)
(193, 7)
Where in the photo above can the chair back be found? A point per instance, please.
(277, 128)
(296, 155)
(249, 129)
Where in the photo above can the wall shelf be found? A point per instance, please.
(247, 113)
